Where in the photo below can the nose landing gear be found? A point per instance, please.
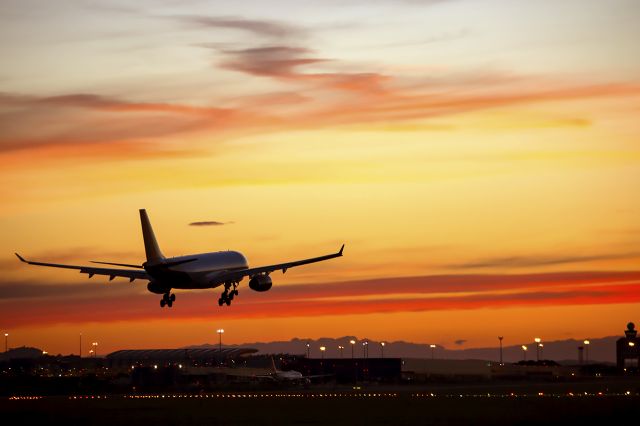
(167, 299)
(227, 295)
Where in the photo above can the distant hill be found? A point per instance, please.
(600, 350)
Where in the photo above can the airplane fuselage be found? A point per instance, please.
(198, 271)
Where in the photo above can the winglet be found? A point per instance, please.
(341, 248)
(21, 258)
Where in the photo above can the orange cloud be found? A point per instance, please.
(61, 305)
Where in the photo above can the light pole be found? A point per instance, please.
(80, 347)
(540, 345)
(341, 349)
(433, 348)
(6, 342)
(537, 340)
(365, 346)
(382, 349)
(308, 349)
(322, 349)
(524, 352)
(500, 338)
(586, 345)
(353, 344)
(95, 349)
(220, 332)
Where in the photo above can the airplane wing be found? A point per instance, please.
(91, 271)
(250, 272)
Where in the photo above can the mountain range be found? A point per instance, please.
(599, 350)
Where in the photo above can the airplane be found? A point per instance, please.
(288, 376)
(197, 271)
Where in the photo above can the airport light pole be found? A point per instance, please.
(6, 342)
(433, 348)
(540, 345)
(580, 349)
(353, 344)
(365, 346)
(322, 349)
(308, 349)
(220, 332)
(382, 349)
(586, 345)
(80, 347)
(341, 349)
(537, 340)
(500, 339)
(95, 349)
(524, 352)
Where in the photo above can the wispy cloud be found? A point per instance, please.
(532, 261)
(256, 27)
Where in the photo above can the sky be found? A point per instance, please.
(480, 159)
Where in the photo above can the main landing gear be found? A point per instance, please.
(227, 295)
(167, 299)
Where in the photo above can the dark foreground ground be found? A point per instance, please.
(531, 404)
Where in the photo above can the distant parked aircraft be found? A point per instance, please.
(197, 271)
(290, 376)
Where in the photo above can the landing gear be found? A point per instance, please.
(167, 299)
(227, 295)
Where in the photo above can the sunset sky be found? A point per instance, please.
(480, 159)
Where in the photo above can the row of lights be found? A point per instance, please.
(265, 395)
(335, 395)
(24, 398)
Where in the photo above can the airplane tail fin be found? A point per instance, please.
(150, 244)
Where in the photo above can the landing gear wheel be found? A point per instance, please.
(162, 303)
(220, 302)
(172, 298)
(170, 303)
(235, 292)
(228, 302)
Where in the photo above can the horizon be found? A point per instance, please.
(599, 353)
(479, 160)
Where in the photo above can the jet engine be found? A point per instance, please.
(260, 283)
(157, 288)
